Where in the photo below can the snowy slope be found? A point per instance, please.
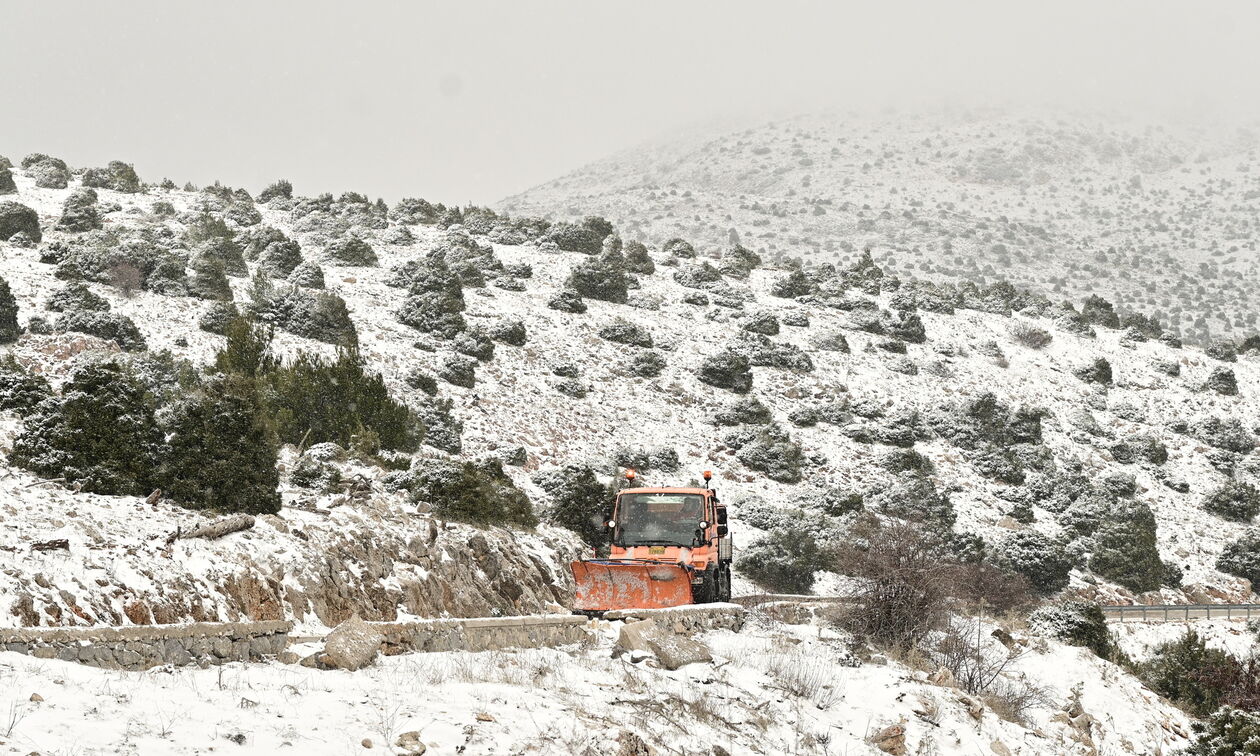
(1158, 217)
(515, 403)
(771, 689)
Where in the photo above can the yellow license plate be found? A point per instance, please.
(656, 549)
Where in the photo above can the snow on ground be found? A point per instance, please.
(1236, 636)
(771, 689)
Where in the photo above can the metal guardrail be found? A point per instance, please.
(1180, 612)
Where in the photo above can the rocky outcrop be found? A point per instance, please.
(375, 561)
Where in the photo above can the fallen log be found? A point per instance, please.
(218, 528)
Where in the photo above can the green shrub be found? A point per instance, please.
(586, 237)
(312, 314)
(281, 189)
(20, 390)
(638, 260)
(567, 300)
(1227, 732)
(1183, 671)
(1125, 548)
(1078, 623)
(248, 349)
(1242, 557)
(220, 451)
(784, 561)
(647, 364)
(314, 400)
(76, 296)
(579, 501)
(479, 493)
(1233, 500)
(351, 250)
(16, 218)
(727, 369)
(1037, 558)
(9, 329)
(209, 281)
(773, 453)
(99, 432)
(105, 325)
(435, 303)
(622, 331)
(603, 278)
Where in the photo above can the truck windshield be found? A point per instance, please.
(656, 519)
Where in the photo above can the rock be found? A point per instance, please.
(720, 751)
(288, 657)
(891, 739)
(409, 744)
(36, 698)
(366, 743)
(942, 676)
(352, 645)
(633, 635)
(674, 651)
(999, 748)
(629, 744)
(484, 717)
(671, 650)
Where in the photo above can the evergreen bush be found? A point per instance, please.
(1233, 500)
(99, 433)
(1241, 557)
(220, 450)
(727, 369)
(784, 561)
(1037, 558)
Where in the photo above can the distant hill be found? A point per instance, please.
(1159, 220)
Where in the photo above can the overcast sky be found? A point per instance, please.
(465, 101)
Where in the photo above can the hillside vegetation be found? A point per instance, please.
(1157, 219)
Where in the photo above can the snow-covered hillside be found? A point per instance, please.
(1159, 218)
(804, 392)
(771, 689)
(846, 409)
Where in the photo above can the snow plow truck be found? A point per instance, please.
(669, 547)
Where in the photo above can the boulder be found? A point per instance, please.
(409, 744)
(891, 739)
(671, 649)
(352, 645)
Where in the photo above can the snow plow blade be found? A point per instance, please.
(605, 585)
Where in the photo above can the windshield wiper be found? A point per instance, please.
(654, 543)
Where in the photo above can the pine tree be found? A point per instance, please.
(248, 349)
(99, 433)
(9, 330)
(580, 502)
(334, 401)
(221, 452)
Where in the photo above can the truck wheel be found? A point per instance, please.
(707, 592)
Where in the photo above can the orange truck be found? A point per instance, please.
(670, 547)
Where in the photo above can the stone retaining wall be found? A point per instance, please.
(145, 646)
(695, 618)
(482, 633)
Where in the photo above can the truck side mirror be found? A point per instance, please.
(721, 515)
(722, 531)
